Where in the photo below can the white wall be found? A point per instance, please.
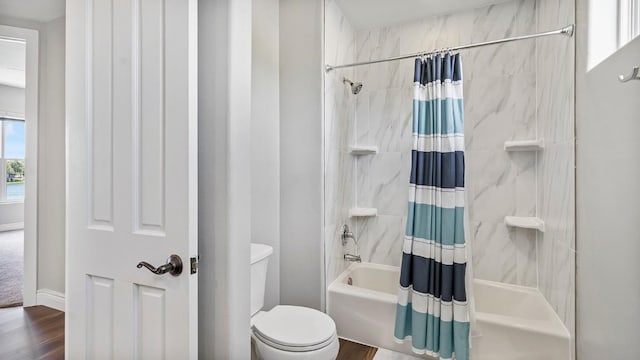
(11, 214)
(224, 173)
(265, 139)
(607, 152)
(11, 101)
(301, 178)
(51, 156)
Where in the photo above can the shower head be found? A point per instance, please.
(355, 87)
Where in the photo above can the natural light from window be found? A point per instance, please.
(13, 154)
(612, 25)
(628, 21)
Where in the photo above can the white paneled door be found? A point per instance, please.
(132, 178)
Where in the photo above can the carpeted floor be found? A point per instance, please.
(11, 267)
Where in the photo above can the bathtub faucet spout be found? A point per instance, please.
(349, 257)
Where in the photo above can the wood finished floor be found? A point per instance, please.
(31, 333)
(353, 351)
(38, 333)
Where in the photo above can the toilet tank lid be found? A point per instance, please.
(259, 252)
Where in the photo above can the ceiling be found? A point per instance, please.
(369, 14)
(12, 63)
(34, 10)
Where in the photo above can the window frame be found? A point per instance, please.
(628, 21)
(3, 160)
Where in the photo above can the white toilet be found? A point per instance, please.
(287, 332)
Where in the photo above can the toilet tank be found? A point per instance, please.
(260, 254)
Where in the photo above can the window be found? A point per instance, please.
(628, 21)
(12, 153)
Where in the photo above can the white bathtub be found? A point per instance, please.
(515, 322)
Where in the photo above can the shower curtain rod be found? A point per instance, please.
(567, 31)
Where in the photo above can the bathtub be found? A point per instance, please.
(514, 322)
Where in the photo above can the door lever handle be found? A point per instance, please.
(173, 266)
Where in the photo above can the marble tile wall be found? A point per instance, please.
(512, 91)
(556, 180)
(500, 99)
(339, 121)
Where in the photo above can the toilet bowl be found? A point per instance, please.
(294, 332)
(287, 332)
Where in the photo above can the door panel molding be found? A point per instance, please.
(149, 124)
(99, 15)
(130, 95)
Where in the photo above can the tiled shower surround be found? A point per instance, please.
(514, 91)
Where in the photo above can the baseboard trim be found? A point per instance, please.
(50, 298)
(12, 226)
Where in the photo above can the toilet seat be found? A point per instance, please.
(290, 348)
(295, 329)
(263, 351)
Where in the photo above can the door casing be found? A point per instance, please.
(30, 280)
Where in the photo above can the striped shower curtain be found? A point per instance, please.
(432, 305)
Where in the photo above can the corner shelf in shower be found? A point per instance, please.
(524, 145)
(523, 222)
(358, 150)
(363, 212)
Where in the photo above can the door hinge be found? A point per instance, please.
(194, 264)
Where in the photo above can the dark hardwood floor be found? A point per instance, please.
(354, 351)
(31, 333)
(38, 333)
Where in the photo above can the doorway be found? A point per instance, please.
(18, 136)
